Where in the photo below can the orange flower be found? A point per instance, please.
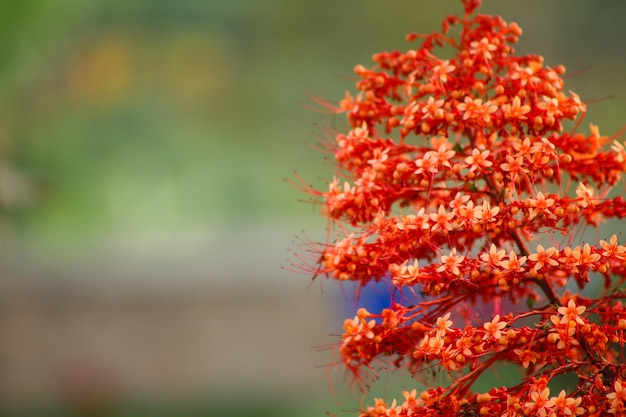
(571, 313)
(617, 399)
(494, 327)
(451, 263)
(478, 160)
(443, 324)
(544, 257)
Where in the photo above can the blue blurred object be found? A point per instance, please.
(375, 297)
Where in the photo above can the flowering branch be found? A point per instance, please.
(451, 173)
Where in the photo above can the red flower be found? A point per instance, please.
(449, 207)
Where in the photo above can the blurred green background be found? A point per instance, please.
(143, 150)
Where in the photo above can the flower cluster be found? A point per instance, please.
(467, 179)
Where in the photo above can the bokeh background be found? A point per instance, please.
(145, 217)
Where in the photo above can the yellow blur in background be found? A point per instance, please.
(144, 214)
